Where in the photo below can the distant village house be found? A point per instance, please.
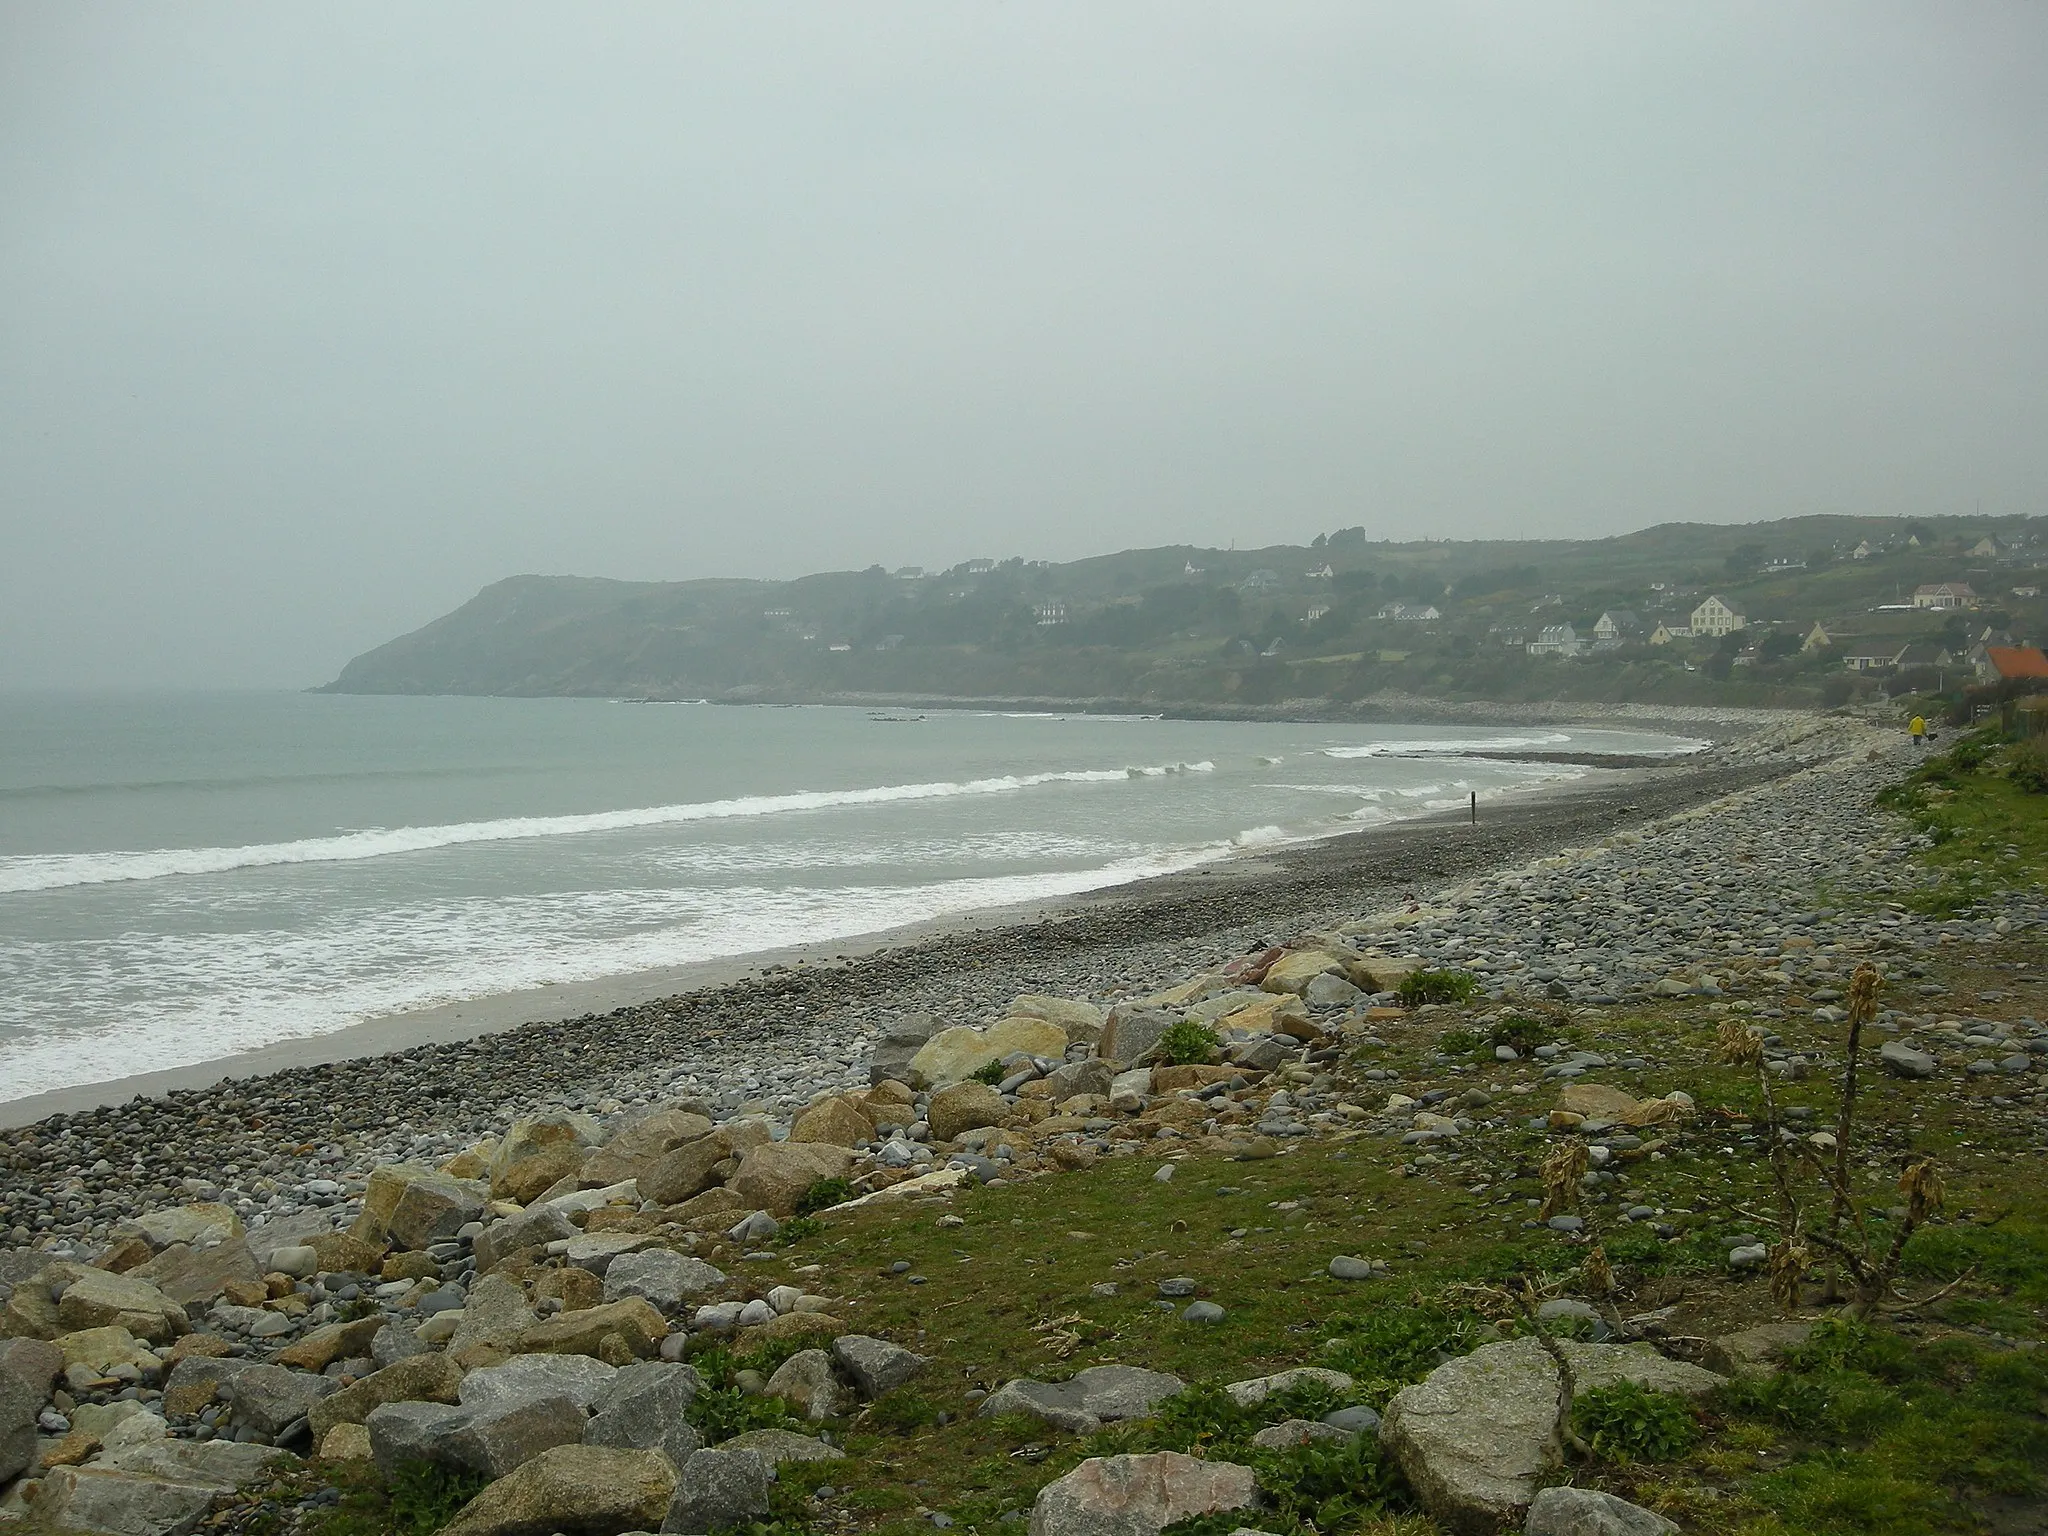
(1557, 640)
(2004, 663)
(1717, 616)
(1944, 595)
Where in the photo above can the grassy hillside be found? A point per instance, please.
(1187, 626)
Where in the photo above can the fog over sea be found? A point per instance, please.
(187, 876)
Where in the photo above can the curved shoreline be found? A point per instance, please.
(1280, 886)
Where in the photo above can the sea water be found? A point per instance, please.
(183, 877)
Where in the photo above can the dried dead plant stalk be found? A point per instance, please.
(1562, 1171)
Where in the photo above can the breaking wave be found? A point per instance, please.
(43, 872)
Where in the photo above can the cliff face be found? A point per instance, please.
(1338, 620)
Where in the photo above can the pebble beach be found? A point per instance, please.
(329, 1224)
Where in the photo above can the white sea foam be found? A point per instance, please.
(214, 995)
(1431, 748)
(43, 872)
(1261, 837)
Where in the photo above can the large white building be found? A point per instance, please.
(1716, 616)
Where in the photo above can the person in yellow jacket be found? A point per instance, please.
(1919, 729)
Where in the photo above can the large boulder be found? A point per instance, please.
(198, 1380)
(595, 1252)
(494, 1319)
(1139, 1495)
(775, 1446)
(1080, 1022)
(577, 1490)
(417, 1378)
(1091, 1398)
(403, 1432)
(412, 1206)
(91, 1498)
(661, 1277)
(806, 1382)
(539, 1152)
(96, 1299)
(1588, 1512)
(27, 1368)
(1293, 971)
(196, 1226)
(1132, 1034)
(900, 1042)
(495, 1439)
(191, 1276)
(692, 1167)
(1755, 1351)
(433, 1209)
(956, 1054)
(31, 1311)
(717, 1491)
(331, 1342)
(964, 1107)
(153, 1488)
(775, 1175)
(1480, 1432)
(525, 1378)
(491, 1438)
(642, 1409)
(268, 1397)
(637, 1327)
(536, 1228)
(837, 1121)
(1092, 1076)
(101, 1348)
(876, 1365)
(637, 1147)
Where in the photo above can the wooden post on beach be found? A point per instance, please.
(1475, 807)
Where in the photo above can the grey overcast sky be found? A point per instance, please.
(314, 319)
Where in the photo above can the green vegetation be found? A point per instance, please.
(1188, 1043)
(991, 1073)
(1337, 621)
(1889, 1435)
(1419, 987)
(1625, 1423)
(823, 1195)
(1979, 803)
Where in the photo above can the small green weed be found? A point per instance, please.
(1522, 1032)
(1419, 987)
(424, 1496)
(992, 1074)
(1188, 1043)
(823, 1195)
(1458, 1042)
(1624, 1422)
(1386, 1349)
